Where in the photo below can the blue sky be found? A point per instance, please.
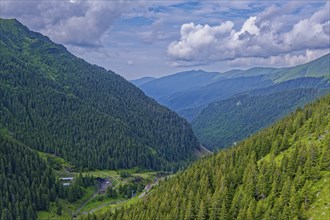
(157, 38)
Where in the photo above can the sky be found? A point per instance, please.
(157, 38)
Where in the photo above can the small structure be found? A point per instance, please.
(104, 184)
(66, 180)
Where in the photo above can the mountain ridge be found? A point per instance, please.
(58, 103)
(143, 80)
(275, 73)
(193, 91)
(313, 79)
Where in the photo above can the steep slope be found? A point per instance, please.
(27, 184)
(279, 173)
(222, 123)
(55, 102)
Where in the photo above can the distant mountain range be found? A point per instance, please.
(142, 81)
(194, 93)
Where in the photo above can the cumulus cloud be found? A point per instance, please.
(262, 38)
(79, 22)
(197, 41)
(283, 60)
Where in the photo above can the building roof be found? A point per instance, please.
(66, 178)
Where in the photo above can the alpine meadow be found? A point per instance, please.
(164, 110)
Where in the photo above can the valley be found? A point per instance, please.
(224, 108)
(143, 110)
(75, 118)
(281, 172)
(111, 189)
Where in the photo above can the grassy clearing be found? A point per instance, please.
(56, 162)
(102, 173)
(67, 208)
(64, 169)
(118, 204)
(70, 208)
(116, 173)
(132, 201)
(146, 175)
(96, 204)
(320, 209)
(51, 214)
(116, 179)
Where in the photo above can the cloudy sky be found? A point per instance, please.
(157, 38)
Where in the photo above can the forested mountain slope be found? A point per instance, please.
(55, 102)
(26, 182)
(222, 123)
(281, 172)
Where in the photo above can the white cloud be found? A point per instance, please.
(197, 41)
(262, 37)
(250, 27)
(74, 22)
(109, 33)
(284, 60)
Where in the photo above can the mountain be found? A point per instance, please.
(219, 90)
(54, 102)
(212, 108)
(26, 182)
(317, 68)
(144, 80)
(196, 85)
(281, 172)
(255, 71)
(168, 85)
(195, 89)
(222, 123)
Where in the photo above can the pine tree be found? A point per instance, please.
(202, 210)
(188, 212)
(251, 210)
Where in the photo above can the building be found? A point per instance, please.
(66, 181)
